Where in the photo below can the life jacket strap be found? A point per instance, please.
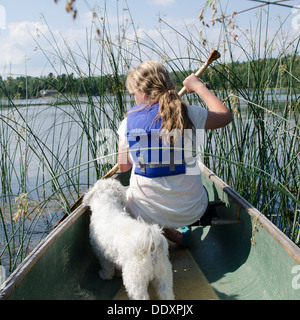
(151, 170)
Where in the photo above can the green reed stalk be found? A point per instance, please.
(257, 154)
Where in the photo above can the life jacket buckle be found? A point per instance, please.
(142, 163)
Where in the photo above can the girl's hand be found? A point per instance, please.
(192, 83)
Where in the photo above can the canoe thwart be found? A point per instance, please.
(210, 217)
(224, 222)
(216, 203)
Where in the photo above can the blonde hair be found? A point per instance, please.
(154, 80)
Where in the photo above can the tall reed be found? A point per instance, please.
(45, 165)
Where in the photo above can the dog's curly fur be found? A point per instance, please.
(140, 250)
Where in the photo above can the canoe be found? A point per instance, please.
(235, 253)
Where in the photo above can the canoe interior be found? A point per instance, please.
(64, 267)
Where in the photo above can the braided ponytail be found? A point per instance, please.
(154, 80)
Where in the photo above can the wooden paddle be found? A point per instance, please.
(213, 56)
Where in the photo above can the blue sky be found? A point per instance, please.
(21, 24)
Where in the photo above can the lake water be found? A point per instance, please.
(41, 141)
(37, 143)
(52, 132)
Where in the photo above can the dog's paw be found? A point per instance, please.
(104, 276)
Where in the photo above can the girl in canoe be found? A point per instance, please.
(156, 140)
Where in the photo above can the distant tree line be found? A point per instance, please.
(30, 87)
(264, 73)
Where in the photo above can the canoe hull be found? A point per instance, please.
(244, 261)
(247, 260)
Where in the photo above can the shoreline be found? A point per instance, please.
(59, 101)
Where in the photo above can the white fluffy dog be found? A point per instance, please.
(119, 241)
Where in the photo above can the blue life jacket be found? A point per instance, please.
(152, 157)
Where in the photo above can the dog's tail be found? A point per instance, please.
(151, 240)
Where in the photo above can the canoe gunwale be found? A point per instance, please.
(291, 248)
(23, 269)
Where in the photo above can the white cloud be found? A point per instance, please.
(85, 18)
(17, 43)
(164, 3)
(20, 42)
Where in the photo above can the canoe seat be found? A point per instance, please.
(210, 217)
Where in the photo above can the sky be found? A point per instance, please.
(32, 30)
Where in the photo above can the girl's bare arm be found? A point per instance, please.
(218, 115)
(123, 159)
